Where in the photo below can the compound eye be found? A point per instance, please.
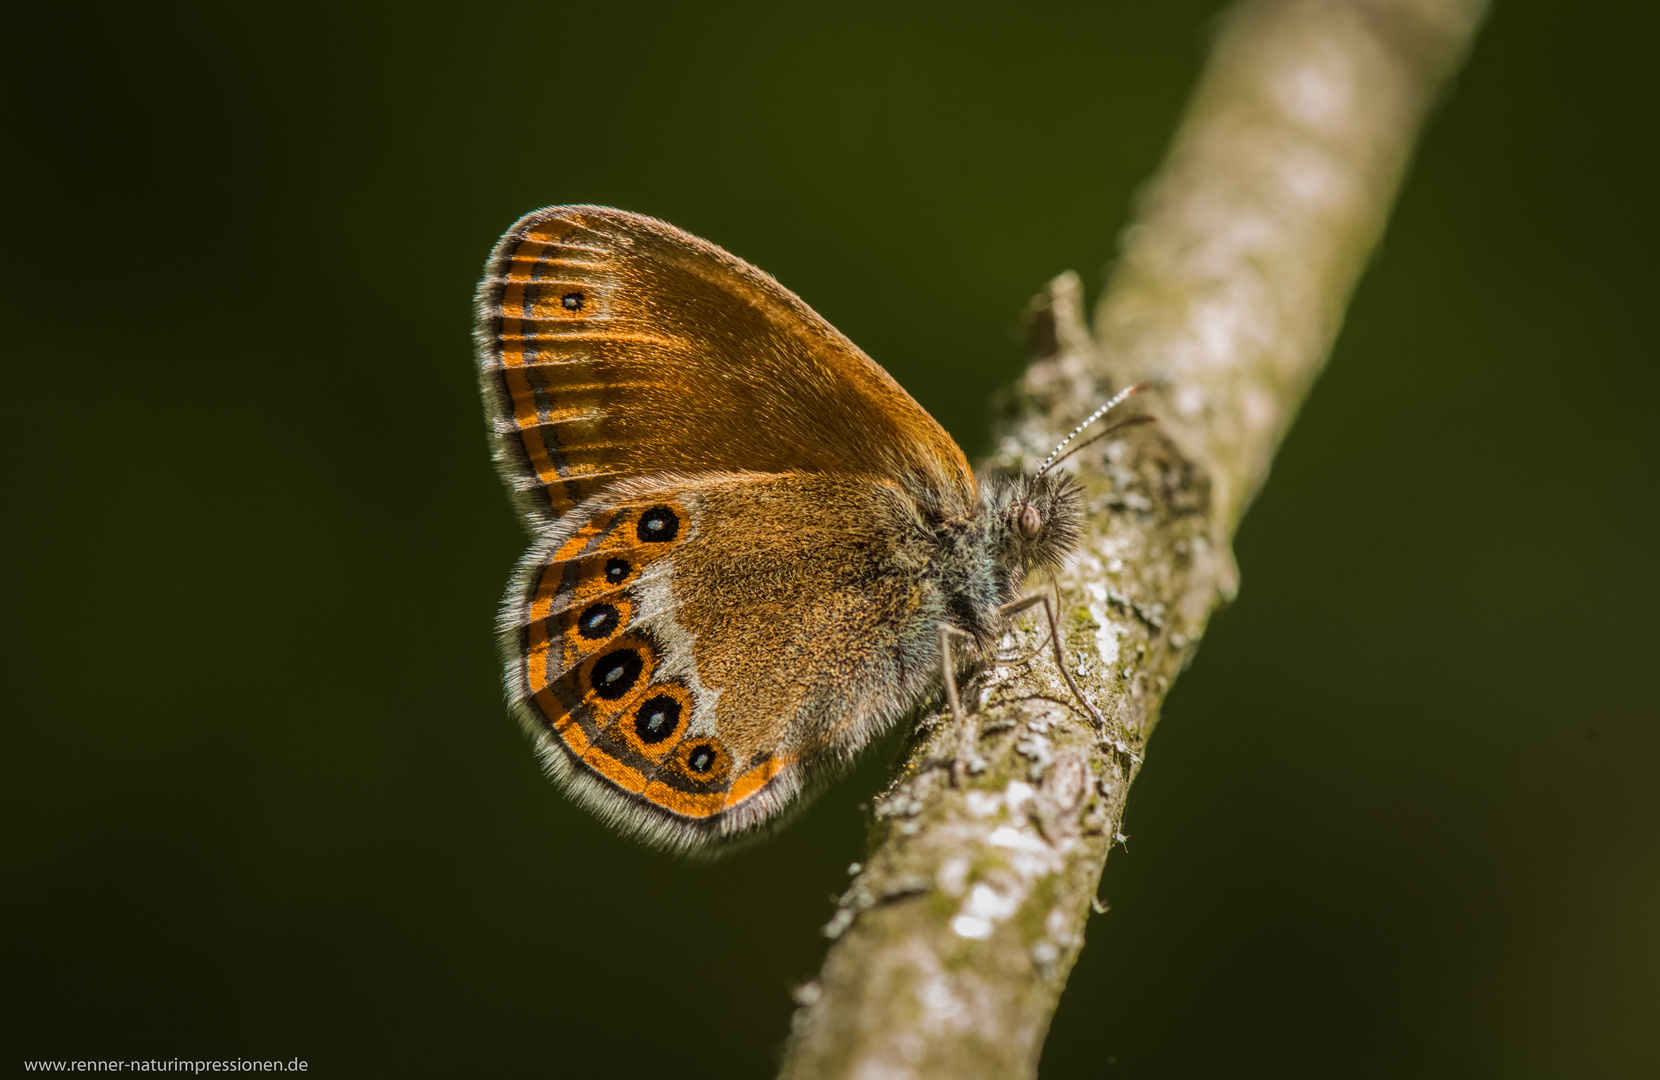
(1029, 520)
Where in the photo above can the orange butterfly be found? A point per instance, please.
(748, 537)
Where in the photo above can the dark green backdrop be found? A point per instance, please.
(1402, 816)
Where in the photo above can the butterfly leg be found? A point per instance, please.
(1016, 607)
(967, 731)
(1011, 609)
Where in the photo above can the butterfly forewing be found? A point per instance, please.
(615, 346)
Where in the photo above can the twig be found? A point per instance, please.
(955, 939)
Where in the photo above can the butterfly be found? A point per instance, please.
(752, 548)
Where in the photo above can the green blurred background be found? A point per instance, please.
(1402, 816)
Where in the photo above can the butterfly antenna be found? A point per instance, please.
(1128, 421)
(1117, 399)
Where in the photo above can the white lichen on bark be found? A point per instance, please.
(954, 939)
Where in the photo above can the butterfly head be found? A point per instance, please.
(1041, 519)
(1036, 522)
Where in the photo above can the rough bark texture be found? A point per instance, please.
(955, 938)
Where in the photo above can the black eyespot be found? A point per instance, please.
(572, 301)
(616, 673)
(616, 570)
(597, 622)
(657, 719)
(701, 759)
(658, 525)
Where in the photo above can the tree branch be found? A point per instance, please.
(955, 939)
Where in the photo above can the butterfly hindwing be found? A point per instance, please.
(685, 650)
